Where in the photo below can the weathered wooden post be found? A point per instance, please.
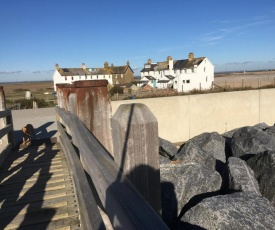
(69, 97)
(136, 149)
(59, 95)
(94, 109)
(4, 141)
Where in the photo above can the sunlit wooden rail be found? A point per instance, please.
(37, 190)
(124, 205)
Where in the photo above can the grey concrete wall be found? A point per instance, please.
(183, 117)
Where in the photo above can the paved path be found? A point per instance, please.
(43, 120)
(36, 190)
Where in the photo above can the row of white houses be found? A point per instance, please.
(114, 74)
(181, 75)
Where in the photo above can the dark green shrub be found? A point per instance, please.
(116, 89)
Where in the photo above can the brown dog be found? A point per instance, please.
(27, 131)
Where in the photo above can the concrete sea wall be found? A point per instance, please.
(183, 117)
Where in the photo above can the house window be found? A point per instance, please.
(187, 81)
(185, 70)
(72, 78)
(183, 81)
(204, 69)
(175, 71)
(121, 75)
(96, 76)
(65, 78)
(85, 77)
(175, 82)
(206, 79)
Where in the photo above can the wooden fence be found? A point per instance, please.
(6, 129)
(124, 205)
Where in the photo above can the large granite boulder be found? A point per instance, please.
(263, 165)
(270, 131)
(167, 151)
(229, 134)
(183, 185)
(238, 176)
(234, 211)
(251, 140)
(204, 149)
(261, 126)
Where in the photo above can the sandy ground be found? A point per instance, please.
(32, 86)
(247, 79)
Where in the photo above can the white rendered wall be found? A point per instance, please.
(183, 117)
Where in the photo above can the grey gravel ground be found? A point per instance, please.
(43, 121)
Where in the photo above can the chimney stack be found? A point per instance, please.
(128, 63)
(106, 65)
(83, 66)
(191, 56)
(149, 61)
(170, 62)
(169, 58)
(56, 66)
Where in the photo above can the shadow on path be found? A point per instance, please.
(23, 180)
(40, 132)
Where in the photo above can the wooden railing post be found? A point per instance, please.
(94, 109)
(67, 97)
(135, 138)
(3, 121)
(59, 95)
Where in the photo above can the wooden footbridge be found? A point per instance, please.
(74, 182)
(37, 189)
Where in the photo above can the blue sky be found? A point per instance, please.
(35, 35)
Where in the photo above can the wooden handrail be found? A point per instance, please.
(5, 113)
(89, 214)
(124, 205)
(6, 130)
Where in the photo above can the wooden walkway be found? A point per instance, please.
(37, 191)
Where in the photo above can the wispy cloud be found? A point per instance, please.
(43, 71)
(240, 63)
(11, 72)
(233, 27)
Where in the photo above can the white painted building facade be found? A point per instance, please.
(70, 75)
(181, 75)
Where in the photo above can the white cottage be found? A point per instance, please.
(182, 75)
(69, 75)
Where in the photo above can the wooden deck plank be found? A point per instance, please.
(42, 215)
(37, 190)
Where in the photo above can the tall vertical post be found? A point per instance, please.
(94, 109)
(59, 94)
(69, 97)
(3, 121)
(136, 149)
